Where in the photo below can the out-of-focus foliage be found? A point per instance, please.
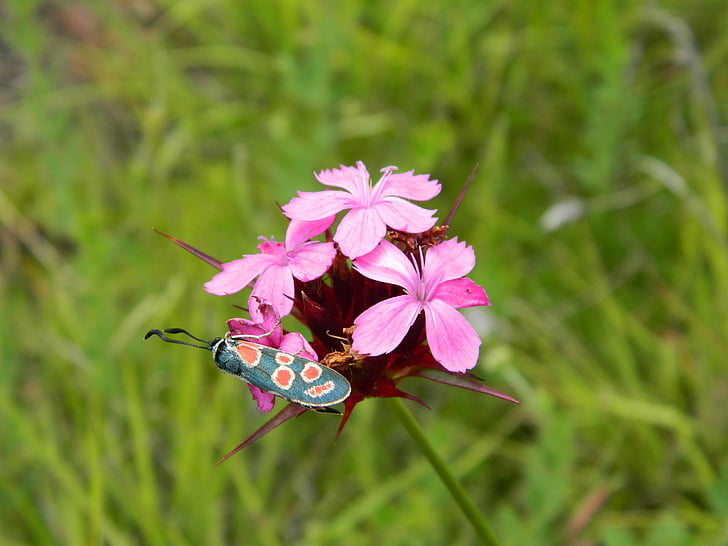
(598, 215)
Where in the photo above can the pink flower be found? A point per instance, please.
(437, 287)
(277, 265)
(371, 209)
(265, 319)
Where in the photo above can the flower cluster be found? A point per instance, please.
(380, 294)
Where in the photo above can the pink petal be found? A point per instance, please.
(317, 205)
(245, 327)
(359, 232)
(352, 179)
(387, 263)
(383, 326)
(448, 260)
(275, 285)
(271, 247)
(416, 187)
(294, 343)
(311, 261)
(265, 319)
(461, 293)
(237, 274)
(300, 231)
(405, 216)
(451, 338)
(266, 316)
(264, 400)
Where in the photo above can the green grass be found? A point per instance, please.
(197, 117)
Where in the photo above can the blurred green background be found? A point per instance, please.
(598, 216)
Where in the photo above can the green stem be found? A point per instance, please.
(453, 486)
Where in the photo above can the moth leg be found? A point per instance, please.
(251, 336)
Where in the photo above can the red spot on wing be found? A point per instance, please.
(249, 353)
(283, 376)
(283, 358)
(311, 372)
(320, 390)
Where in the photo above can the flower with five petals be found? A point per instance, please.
(434, 285)
(277, 265)
(371, 208)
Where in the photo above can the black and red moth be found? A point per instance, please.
(292, 377)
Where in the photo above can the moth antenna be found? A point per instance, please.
(181, 331)
(161, 335)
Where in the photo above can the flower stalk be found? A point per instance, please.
(454, 487)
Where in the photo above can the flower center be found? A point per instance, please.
(422, 288)
(277, 251)
(374, 194)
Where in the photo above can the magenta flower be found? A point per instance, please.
(277, 265)
(265, 319)
(371, 209)
(392, 319)
(435, 287)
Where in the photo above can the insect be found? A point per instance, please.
(292, 377)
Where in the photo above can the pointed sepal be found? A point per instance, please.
(291, 410)
(457, 380)
(214, 262)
